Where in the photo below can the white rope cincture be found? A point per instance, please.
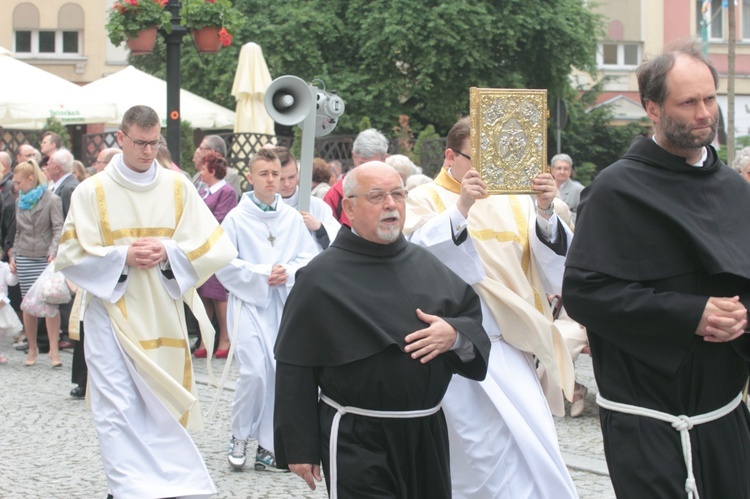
(682, 424)
(341, 410)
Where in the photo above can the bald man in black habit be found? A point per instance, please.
(380, 326)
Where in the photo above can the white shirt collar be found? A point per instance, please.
(704, 154)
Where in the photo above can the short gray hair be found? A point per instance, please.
(216, 143)
(561, 157)
(370, 144)
(403, 165)
(64, 158)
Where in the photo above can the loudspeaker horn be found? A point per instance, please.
(288, 100)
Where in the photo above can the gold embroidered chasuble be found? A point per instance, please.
(499, 227)
(108, 210)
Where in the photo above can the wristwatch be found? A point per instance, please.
(548, 211)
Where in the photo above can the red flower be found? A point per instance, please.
(225, 37)
(134, 3)
(210, 1)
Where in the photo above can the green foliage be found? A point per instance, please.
(414, 57)
(364, 124)
(585, 172)
(128, 17)
(296, 147)
(197, 14)
(57, 126)
(428, 133)
(187, 147)
(588, 135)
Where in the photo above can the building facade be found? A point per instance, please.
(637, 29)
(64, 37)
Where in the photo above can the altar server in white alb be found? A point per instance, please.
(511, 249)
(273, 243)
(138, 239)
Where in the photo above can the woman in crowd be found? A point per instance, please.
(220, 198)
(321, 177)
(79, 171)
(39, 221)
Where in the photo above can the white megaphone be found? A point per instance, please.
(290, 101)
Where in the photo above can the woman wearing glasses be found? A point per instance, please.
(39, 223)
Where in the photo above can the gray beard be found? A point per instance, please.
(388, 235)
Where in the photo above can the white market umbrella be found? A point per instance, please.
(250, 83)
(29, 95)
(133, 87)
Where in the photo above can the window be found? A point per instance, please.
(746, 19)
(715, 17)
(63, 40)
(619, 55)
(48, 43)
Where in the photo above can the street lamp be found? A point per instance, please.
(174, 41)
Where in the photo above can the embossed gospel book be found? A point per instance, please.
(508, 137)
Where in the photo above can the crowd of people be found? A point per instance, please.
(404, 336)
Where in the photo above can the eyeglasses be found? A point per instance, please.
(462, 154)
(142, 144)
(377, 196)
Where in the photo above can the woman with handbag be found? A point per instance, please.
(39, 222)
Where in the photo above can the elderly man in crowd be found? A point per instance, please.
(569, 190)
(215, 143)
(370, 145)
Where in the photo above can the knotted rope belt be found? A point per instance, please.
(682, 423)
(341, 410)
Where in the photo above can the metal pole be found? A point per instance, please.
(174, 41)
(306, 160)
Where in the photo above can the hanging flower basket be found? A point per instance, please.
(218, 16)
(143, 43)
(207, 39)
(129, 19)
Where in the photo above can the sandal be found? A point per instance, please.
(579, 402)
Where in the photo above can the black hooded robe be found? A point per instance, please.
(343, 330)
(655, 238)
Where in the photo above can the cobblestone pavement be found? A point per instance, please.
(50, 450)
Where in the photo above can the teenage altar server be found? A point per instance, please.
(273, 243)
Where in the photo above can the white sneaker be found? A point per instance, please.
(236, 454)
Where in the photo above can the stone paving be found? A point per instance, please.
(50, 450)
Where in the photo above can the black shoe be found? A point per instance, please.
(78, 392)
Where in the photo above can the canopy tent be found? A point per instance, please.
(29, 95)
(132, 87)
(251, 80)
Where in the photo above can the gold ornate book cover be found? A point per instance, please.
(508, 137)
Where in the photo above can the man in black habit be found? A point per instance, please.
(380, 326)
(659, 273)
